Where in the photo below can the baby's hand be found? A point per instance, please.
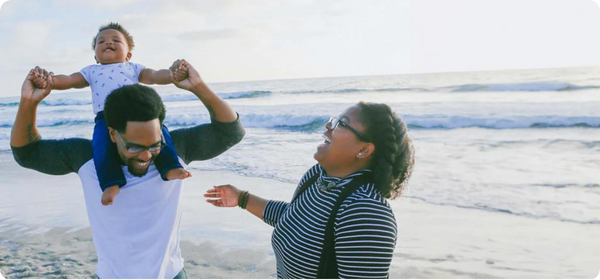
(39, 80)
(180, 72)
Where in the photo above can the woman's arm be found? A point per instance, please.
(228, 196)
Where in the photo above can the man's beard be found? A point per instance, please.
(136, 171)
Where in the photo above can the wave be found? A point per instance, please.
(311, 122)
(522, 213)
(168, 98)
(224, 95)
(245, 94)
(79, 100)
(301, 122)
(53, 103)
(514, 87)
(65, 102)
(354, 90)
(281, 121)
(233, 164)
(561, 186)
(565, 144)
(530, 87)
(9, 104)
(55, 122)
(512, 122)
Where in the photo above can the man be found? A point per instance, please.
(138, 236)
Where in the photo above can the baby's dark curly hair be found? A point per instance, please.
(117, 27)
(137, 103)
(394, 156)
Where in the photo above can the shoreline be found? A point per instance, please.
(434, 241)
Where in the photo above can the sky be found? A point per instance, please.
(230, 40)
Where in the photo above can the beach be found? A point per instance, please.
(434, 241)
(505, 183)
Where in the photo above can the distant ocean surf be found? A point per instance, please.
(518, 142)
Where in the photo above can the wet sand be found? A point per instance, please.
(51, 239)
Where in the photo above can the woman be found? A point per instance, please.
(339, 224)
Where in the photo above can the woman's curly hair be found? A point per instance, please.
(394, 156)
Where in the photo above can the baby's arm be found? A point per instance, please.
(153, 77)
(75, 80)
(165, 76)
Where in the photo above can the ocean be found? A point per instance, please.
(522, 143)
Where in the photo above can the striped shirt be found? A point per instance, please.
(364, 229)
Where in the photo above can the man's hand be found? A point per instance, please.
(177, 72)
(25, 131)
(193, 77)
(40, 77)
(37, 85)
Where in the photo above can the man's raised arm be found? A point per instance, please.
(54, 157)
(25, 131)
(218, 109)
(208, 140)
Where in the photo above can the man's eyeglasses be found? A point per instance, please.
(334, 122)
(137, 149)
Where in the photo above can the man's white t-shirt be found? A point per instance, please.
(137, 236)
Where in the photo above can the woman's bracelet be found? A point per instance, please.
(243, 199)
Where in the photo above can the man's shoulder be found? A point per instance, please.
(55, 157)
(87, 169)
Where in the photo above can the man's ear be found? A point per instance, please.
(113, 134)
(366, 151)
(128, 57)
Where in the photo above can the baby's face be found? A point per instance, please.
(111, 47)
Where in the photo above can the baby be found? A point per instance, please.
(112, 45)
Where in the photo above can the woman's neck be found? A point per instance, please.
(343, 172)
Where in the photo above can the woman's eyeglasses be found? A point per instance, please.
(334, 122)
(137, 149)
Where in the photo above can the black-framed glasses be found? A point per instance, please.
(334, 122)
(137, 149)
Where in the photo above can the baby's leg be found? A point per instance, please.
(106, 159)
(167, 162)
(108, 196)
(178, 173)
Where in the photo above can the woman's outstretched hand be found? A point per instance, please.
(223, 196)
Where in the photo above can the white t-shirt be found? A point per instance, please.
(104, 78)
(137, 236)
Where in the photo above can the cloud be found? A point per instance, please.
(207, 35)
(29, 34)
(113, 5)
(8, 8)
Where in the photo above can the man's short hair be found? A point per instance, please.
(137, 103)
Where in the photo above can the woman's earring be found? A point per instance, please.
(360, 154)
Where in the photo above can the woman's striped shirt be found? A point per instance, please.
(365, 230)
